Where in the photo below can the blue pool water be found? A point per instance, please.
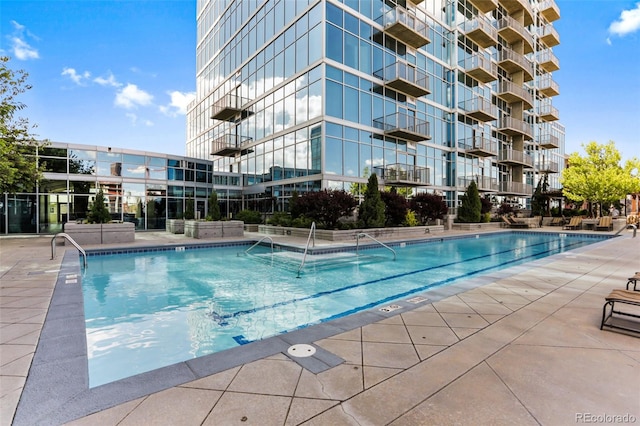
(148, 310)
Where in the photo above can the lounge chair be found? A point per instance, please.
(574, 223)
(556, 221)
(633, 280)
(605, 224)
(620, 297)
(514, 223)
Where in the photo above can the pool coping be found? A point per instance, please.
(57, 385)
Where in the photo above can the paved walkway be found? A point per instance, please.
(518, 347)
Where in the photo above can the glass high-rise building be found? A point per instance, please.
(300, 95)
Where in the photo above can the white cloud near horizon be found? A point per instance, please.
(21, 49)
(77, 78)
(131, 97)
(178, 104)
(627, 23)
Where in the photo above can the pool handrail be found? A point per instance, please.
(258, 242)
(629, 225)
(364, 234)
(312, 231)
(72, 241)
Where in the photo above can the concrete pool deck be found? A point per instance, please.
(522, 346)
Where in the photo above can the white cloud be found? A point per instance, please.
(22, 50)
(110, 80)
(627, 23)
(79, 79)
(131, 97)
(178, 104)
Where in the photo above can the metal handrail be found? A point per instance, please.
(630, 225)
(72, 241)
(364, 234)
(312, 231)
(258, 242)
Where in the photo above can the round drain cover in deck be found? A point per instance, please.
(301, 350)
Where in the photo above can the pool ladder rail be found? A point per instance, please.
(312, 232)
(628, 226)
(72, 241)
(364, 234)
(258, 243)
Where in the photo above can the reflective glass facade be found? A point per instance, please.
(302, 95)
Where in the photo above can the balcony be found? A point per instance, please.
(480, 31)
(511, 92)
(512, 157)
(513, 6)
(484, 183)
(548, 35)
(515, 188)
(229, 108)
(547, 86)
(549, 141)
(513, 31)
(416, 2)
(405, 78)
(480, 146)
(479, 108)
(548, 112)
(514, 127)
(513, 62)
(549, 10)
(228, 145)
(403, 126)
(547, 166)
(548, 61)
(403, 175)
(485, 6)
(480, 67)
(408, 28)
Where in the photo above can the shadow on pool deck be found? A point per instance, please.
(521, 346)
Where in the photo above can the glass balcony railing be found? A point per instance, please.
(405, 78)
(479, 108)
(480, 145)
(514, 62)
(511, 92)
(549, 10)
(513, 31)
(549, 141)
(515, 188)
(228, 145)
(514, 127)
(514, 157)
(481, 31)
(229, 107)
(548, 61)
(403, 174)
(406, 27)
(547, 86)
(480, 67)
(484, 183)
(403, 126)
(548, 35)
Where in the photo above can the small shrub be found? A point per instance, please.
(214, 207)
(99, 213)
(486, 217)
(302, 222)
(249, 216)
(189, 210)
(411, 219)
(371, 211)
(505, 209)
(428, 207)
(470, 209)
(396, 207)
(280, 219)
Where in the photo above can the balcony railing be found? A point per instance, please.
(228, 145)
(480, 67)
(548, 61)
(547, 86)
(547, 166)
(479, 108)
(229, 107)
(513, 6)
(484, 183)
(548, 112)
(549, 141)
(548, 35)
(511, 92)
(515, 158)
(549, 10)
(481, 31)
(403, 175)
(514, 127)
(406, 27)
(405, 78)
(513, 31)
(403, 126)
(514, 62)
(515, 188)
(480, 145)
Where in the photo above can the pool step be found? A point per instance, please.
(292, 260)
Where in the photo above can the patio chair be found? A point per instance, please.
(574, 223)
(514, 223)
(605, 224)
(633, 281)
(620, 297)
(556, 221)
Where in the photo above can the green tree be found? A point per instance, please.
(598, 177)
(371, 211)
(99, 213)
(18, 169)
(189, 209)
(214, 207)
(540, 198)
(469, 211)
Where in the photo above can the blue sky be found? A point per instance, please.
(120, 73)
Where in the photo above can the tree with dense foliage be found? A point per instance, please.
(327, 206)
(249, 216)
(395, 208)
(18, 169)
(189, 209)
(99, 213)
(214, 207)
(471, 206)
(540, 199)
(371, 211)
(598, 177)
(428, 207)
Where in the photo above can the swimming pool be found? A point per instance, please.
(151, 309)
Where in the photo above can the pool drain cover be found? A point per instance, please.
(301, 350)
